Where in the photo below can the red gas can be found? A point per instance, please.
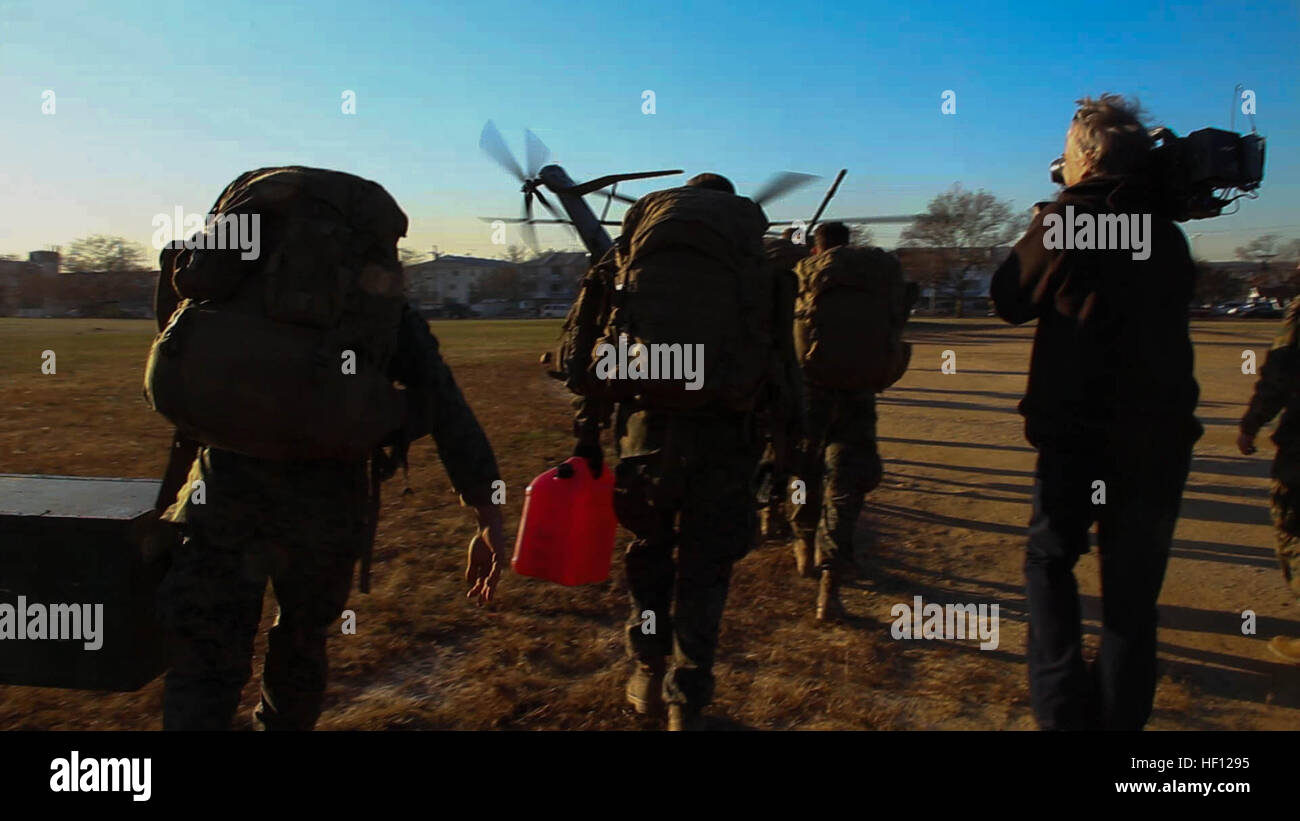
(566, 534)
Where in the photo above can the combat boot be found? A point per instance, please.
(804, 564)
(684, 718)
(772, 523)
(829, 606)
(1286, 649)
(645, 688)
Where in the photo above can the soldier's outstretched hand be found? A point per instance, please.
(486, 558)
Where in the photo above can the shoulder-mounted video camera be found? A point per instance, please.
(1201, 174)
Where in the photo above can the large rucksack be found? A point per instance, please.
(848, 330)
(286, 356)
(688, 270)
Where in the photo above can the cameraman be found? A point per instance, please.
(1110, 408)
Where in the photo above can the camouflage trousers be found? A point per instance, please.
(839, 465)
(774, 487)
(780, 454)
(693, 495)
(1286, 518)
(300, 525)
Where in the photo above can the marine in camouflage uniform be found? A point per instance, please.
(1276, 391)
(780, 413)
(839, 463)
(303, 525)
(684, 483)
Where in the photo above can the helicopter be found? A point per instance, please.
(591, 228)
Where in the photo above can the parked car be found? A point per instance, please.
(1263, 310)
(1226, 308)
(553, 310)
(452, 310)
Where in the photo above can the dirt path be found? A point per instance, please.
(949, 522)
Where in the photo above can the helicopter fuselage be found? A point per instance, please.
(590, 231)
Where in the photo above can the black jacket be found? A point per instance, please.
(1112, 345)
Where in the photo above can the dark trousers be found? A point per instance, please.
(694, 496)
(1144, 469)
(839, 464)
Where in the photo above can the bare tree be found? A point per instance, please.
(961, 229)
(410, 256)
(104, 254)
(1289, 251)
(861, 235)
(514, 254)
(1215, 285)
(1260, 249)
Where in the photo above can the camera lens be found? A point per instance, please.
(1058, 170)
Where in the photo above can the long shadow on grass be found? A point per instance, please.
(1231, 465)
(897, 401)
(963, 468)
(1011, 397)
(943, 444)
(1211, 510)
(1234, 677)
(929, 517)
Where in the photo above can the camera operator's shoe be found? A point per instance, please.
(684, 718)
(829, 606)
(804, 564)
(1286, 649)
(645, 688)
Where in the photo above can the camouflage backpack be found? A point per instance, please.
(286, 355)
(848, 329)
(687, 305)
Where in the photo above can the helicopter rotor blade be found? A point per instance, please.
(835, 186)
(491, 142)
(780, 185)
(547, 203)
(558, 218)
(536, 152)
(610, 196)
(609, 200)
(609, 179)
(900, 218)
(526, 229)
(521, 220)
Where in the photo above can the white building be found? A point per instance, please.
(447, 279)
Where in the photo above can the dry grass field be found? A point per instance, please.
(947, 524)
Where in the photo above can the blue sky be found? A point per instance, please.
(162, 104)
